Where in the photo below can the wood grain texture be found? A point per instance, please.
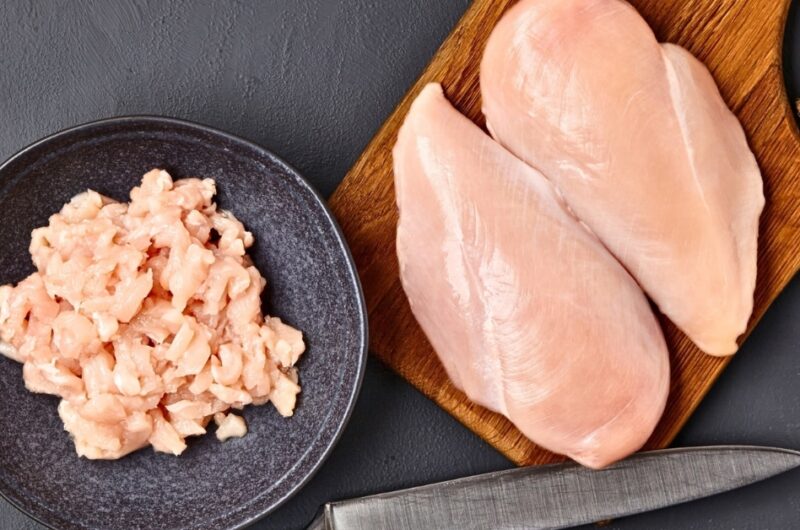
(740, 41)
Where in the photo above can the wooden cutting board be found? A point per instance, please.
(741, 42)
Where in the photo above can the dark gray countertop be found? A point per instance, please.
(312, 80)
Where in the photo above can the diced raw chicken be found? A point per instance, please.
(104, 408)
(226, 366)
(231, 395)
(105, 439)
(52, 377)
(229, 426)
(187, 428)
(527, 311)
(74, 334)
(98, 374)
(283, 391)
(136, 313)
(286, 341)
(644, 150)
(164, 437)
(188, 409)
(201, 381)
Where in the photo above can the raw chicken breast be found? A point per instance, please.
(527, 311)
(638, 140)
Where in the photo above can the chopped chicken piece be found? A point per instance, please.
(229, 426)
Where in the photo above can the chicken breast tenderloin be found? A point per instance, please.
(637, 138)
(527, 311)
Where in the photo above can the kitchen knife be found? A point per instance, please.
(561, 495)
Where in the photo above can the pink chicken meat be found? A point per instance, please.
(637, 138)
(145, 318)
(527, 311)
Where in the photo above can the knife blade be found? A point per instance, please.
(562, 495)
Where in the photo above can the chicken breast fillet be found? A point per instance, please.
(527, 311)
(638, 140)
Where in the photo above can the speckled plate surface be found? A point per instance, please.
(312, 284)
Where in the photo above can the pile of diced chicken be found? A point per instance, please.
(145, 318)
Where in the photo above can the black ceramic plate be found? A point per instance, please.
(312, 284)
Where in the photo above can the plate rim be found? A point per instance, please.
(352, 270)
